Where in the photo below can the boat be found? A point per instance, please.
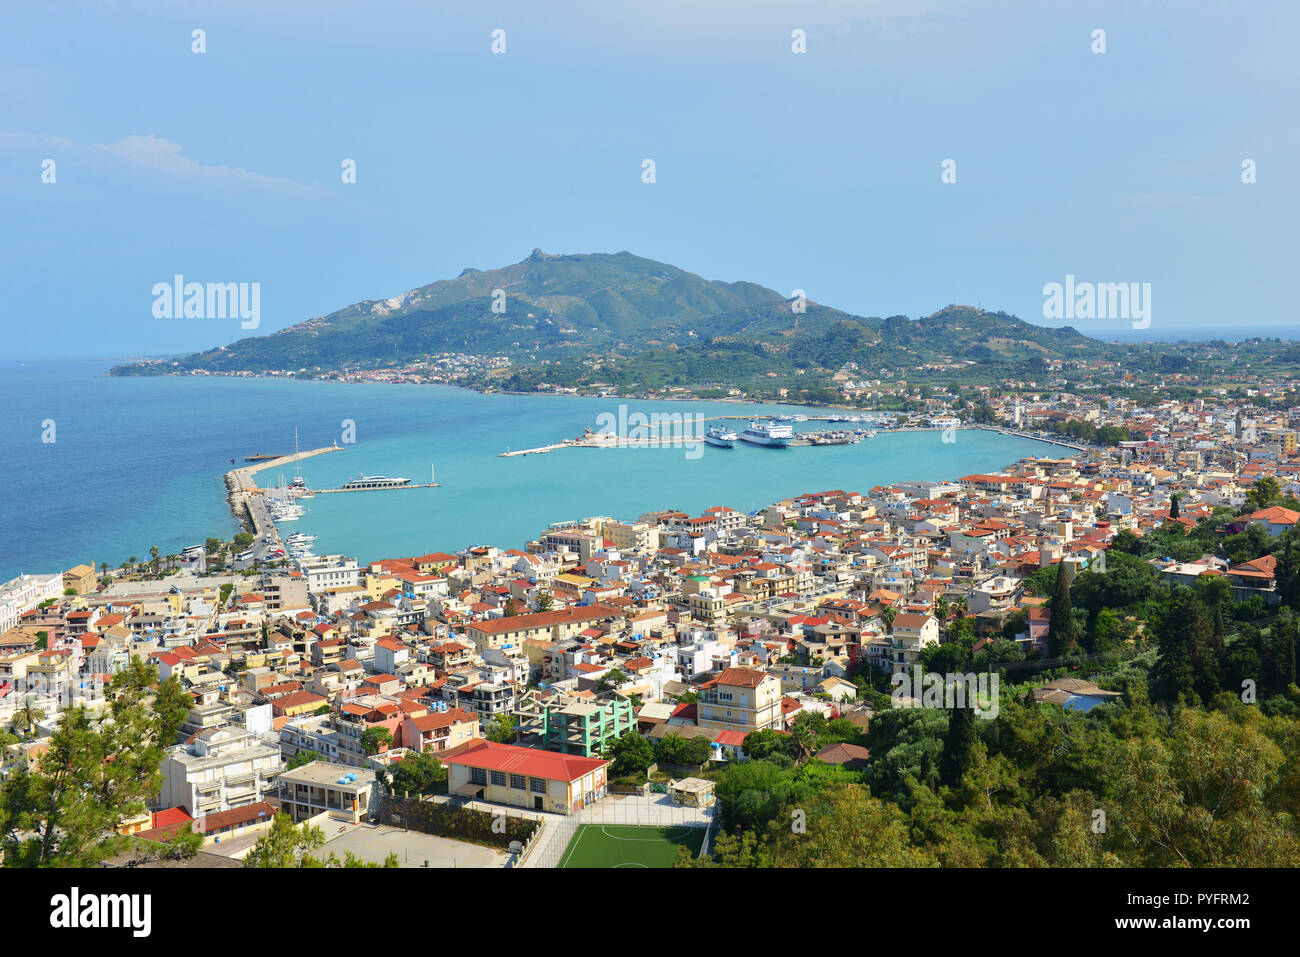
(767, 433)
(721, 436)
(362, 482)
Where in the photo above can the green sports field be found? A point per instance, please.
(625, 845)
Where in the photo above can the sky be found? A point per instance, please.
(819, 171)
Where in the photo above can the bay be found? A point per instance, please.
(138, 462)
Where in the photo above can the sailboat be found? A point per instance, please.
(299, 485)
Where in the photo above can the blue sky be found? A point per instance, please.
(818, 171)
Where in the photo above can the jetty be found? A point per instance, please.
(246, 499)
(391, 488)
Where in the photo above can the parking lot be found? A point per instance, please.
(374, 842)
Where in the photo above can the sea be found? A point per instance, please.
(102, 469)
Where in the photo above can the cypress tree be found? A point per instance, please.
(1062, 637)
(958, 746)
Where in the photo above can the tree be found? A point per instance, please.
(632, 753)
(510, 609)
(847, 827)
(761, 745)
(153, 558)
(804, 731)
(1187, 662)
(100, 769)
(1062, 636)
(418, 773)
(301, 758)
(1263, 493)
(544, 601)
(184, 844)
(285, 845)
(610, 680)
(675, 749)
(1173, 506)
(376, 739)
(26, 718)
(958, 746)
(501, 729)
(1200, 798)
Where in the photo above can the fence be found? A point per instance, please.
(444, 819)
(652, 811)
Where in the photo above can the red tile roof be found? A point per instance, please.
(539, 764)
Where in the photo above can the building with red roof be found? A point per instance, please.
(526, 777)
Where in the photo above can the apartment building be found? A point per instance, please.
(223, 768)
(740, 699)
(911, 633)
(440, 730)
(514, 630)
(24, 593)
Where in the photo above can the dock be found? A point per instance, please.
(393, 488)
(246, 499)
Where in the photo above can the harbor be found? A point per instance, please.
(774, 434)
(249, 502)
(815, 438)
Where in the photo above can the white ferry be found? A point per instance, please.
(721, 436)
(767, 433)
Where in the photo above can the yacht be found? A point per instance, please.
(767, 433)
(375, 481)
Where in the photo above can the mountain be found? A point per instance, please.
(567, 307)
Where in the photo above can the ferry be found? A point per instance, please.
(721, 436)
(768, 433)
(362, 482)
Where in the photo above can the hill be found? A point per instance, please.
(553, 308)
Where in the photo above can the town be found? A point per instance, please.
(612, 668)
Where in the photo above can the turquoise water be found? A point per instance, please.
(139, 462)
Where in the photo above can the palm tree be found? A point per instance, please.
(27, 717)
(153, 556)
(887, 616)
(962, 606)
(941, 609)
(131, 563)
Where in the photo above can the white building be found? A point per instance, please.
(225, 767)
(24, 593)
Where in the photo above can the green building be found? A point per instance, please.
(586, 728)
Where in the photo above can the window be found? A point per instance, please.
(478, 776)
(518, 782)
(537, 785)
(499, 778)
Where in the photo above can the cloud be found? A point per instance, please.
(153, 152)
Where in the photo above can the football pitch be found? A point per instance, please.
(626, 845)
